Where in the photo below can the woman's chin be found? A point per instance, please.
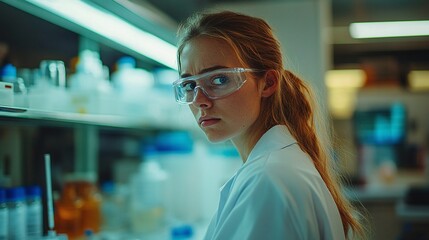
(215, 138)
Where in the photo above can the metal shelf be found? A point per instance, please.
(14, 114)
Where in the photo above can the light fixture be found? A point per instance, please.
(419, 80)
(342, 86)
(389, 29)
(345, 78)
(112, 27)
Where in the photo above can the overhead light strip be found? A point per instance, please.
(114, 28)
(389, 29)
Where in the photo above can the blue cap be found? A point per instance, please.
(182, 231)
(108, 187)
(8, 71)
(177, 142)
(15, 194)
(127, 60)
(33, 192)
(2, 195)
(148, 149)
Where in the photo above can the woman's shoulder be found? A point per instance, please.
(288, 171)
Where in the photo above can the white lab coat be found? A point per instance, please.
(276, 194)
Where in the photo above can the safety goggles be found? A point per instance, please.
(215, 84)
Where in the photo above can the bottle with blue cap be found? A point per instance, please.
(176, 156)
(17, 213)
(34, 211)
(8, 73)
(147, 196)
(4, 220)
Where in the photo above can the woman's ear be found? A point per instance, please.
(271, 83)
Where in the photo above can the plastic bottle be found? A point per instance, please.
(176, 156)
(4, 218)
(147, 198)
(8, 74)
(129, 80)
(132, 86)
(17, 213)
(34, 211)
(113, 206)
(88, 86)
(68, 212)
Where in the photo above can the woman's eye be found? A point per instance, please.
(189, 86)
(219, 80)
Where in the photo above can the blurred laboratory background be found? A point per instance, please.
(88, 83)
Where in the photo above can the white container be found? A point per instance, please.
(4, 218)
(184, 186)
(6, 94)
(34, 211)
(89, 91)
(132, 85)
(147, 211)
(17, 213)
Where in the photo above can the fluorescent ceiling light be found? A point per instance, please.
(389, 29)
(114, 28)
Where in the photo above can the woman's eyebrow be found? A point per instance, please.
(184, 75)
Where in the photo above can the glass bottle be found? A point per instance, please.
(91, 206)
(68, 212)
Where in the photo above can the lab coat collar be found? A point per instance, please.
(275, 138)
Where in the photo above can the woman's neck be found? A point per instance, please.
(245, 142)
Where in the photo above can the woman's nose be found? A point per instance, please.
(201, 100)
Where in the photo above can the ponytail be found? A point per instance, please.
(297, 113)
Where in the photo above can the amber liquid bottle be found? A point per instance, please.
(91, 206)
(68, 212)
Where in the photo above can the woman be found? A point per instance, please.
(233, 79)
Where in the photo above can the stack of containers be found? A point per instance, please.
(21, 214)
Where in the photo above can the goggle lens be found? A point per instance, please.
(216, 84)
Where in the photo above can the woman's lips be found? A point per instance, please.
(209, 122)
